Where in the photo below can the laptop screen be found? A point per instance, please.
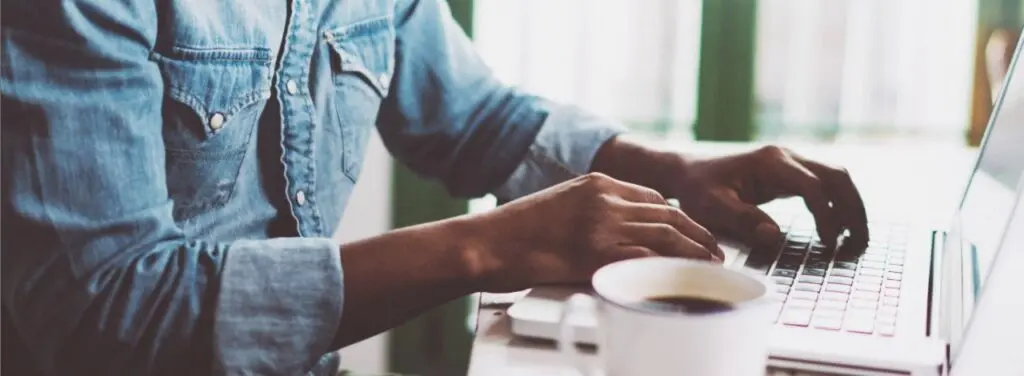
(988, 200)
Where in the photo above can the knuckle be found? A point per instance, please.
(665, 232)
(773, 151)
(596, 181)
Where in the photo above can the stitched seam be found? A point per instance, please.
(369, 24)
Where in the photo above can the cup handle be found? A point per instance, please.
(566, 333)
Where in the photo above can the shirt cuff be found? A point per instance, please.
(564, 149)
(279, 306)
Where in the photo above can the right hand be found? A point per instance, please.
(566, 232)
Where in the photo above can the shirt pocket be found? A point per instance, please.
(362, 65)
(212, 103)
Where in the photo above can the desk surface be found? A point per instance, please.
(916, 183)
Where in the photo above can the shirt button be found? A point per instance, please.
(384, 80)
(216, 121)
(292, 87)
(300, 198)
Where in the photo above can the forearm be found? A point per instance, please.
(396, 276)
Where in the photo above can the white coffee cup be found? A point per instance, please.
(636, 339)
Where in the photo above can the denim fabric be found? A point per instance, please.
(173, 170)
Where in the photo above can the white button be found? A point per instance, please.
(291, 86)
(300, 198)
(384, 80)
(216, 121)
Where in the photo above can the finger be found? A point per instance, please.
(655, 213)
(664, 240)
(799, 180)
(626, 190)
(633, 251)
(846, 199)
(742, 221)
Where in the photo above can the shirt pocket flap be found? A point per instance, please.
(365, 49)
(216, 83)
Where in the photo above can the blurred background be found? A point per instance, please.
(813, 71)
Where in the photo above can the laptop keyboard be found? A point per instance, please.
(851, 288)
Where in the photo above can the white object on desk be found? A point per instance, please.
(637, 338)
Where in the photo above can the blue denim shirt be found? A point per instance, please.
(173, 170)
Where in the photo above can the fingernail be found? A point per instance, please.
(767, 233)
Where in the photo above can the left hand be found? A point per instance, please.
(722, 193)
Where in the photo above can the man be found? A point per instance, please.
(173, 171)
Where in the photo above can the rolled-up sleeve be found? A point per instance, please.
(564, 148)
(447, 117)
(279, 304)
(97, 278)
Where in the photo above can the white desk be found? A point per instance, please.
(916, 183)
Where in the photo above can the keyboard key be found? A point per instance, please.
(782, 289)
(811, 279)
(896, 261)
(805, 295)
(818, 247)
(849, 273)
(886, 320)
(807, 287)
(894, 276)
(819, 272)
(782, 281)
(887, 311)
(831, 305)
(863, 304)
(784, 273)
(875, 251)
(778, 297)
(834, 296)
(871, 272)
(891, 302)
(896, 269)
(816, 264)
(828, 323)
(872, 265)
(838, 288)
(869, 280)
(872, 258)
(894, 293)
(796, 317)
(859, 325)
(819, 312)
(839, 280)
(860, 313)
(864, 286)
(799, 304)
(865, 295)
(887, 330)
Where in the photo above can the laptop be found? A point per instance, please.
(900, 306)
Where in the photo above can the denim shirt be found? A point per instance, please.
(173, 170)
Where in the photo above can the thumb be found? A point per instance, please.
(745, 222)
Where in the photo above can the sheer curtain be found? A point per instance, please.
(634, 60)
(825, 70)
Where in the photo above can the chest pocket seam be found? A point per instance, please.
(203, 160)
(362, 65)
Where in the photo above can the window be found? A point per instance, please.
(825, 70)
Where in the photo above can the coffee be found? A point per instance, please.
(686, 304)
